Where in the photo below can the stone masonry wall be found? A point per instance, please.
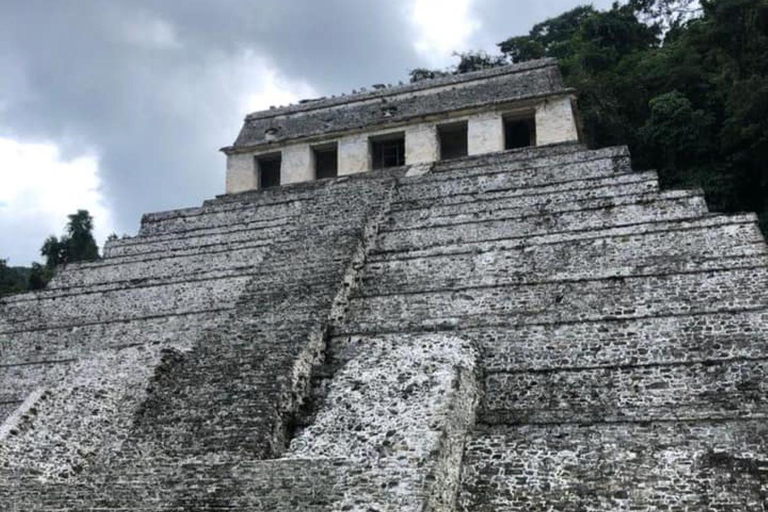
(620, 330)
(539, 330)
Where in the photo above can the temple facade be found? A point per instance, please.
(470, 114)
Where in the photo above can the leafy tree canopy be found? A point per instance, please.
(683, 83)
(77, 244)
(12, 279)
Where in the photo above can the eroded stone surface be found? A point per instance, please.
(400, 409)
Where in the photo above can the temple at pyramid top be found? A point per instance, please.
(470, 114)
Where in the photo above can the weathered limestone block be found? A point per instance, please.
(525, 157)
(296, 164)
(399, 409)
(200, 241)
(555, 121)
(217, 218)
(47, 358)
(485, 133)
(241, 173)
(421, 144)
(517, 208)
(353, 154)
(9, 404)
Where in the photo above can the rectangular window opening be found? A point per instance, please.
(519, 132)
(388, 151)
(326, 161)
(268, 168)
(453, 140)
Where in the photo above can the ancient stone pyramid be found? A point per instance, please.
(539, 329)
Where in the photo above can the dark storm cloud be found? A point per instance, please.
(155, 88)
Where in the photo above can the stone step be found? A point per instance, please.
(278, 485)
(668, 206)
(46, 309)
(537, 157)
(458, 215)
(180, 221)
(566, 192)
(330, 200)
(553, 303)
(526, 206)
(506, 177)
(196, 240)
(78, 323)
(19, 382)
(228, 261)
(56, 293)
(501, 273)
(237, 260)
(642, 341)
(83, 413)
(701, 465)
(740, 230)
(657, 253)
(214, 215)
(43, 345)
(687, 338)
(731, 388)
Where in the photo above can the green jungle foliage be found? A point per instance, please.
(77, 244)
(684, 84)
(13, 279)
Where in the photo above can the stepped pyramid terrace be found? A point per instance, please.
(429, 297)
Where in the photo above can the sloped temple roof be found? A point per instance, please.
(393, 105)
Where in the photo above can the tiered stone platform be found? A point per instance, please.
(535, 330)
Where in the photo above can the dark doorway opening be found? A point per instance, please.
(388, 151)
(268, 167)
(519, 133)
(326, 162)
(453, 140)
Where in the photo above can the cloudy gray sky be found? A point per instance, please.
(120, 106)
